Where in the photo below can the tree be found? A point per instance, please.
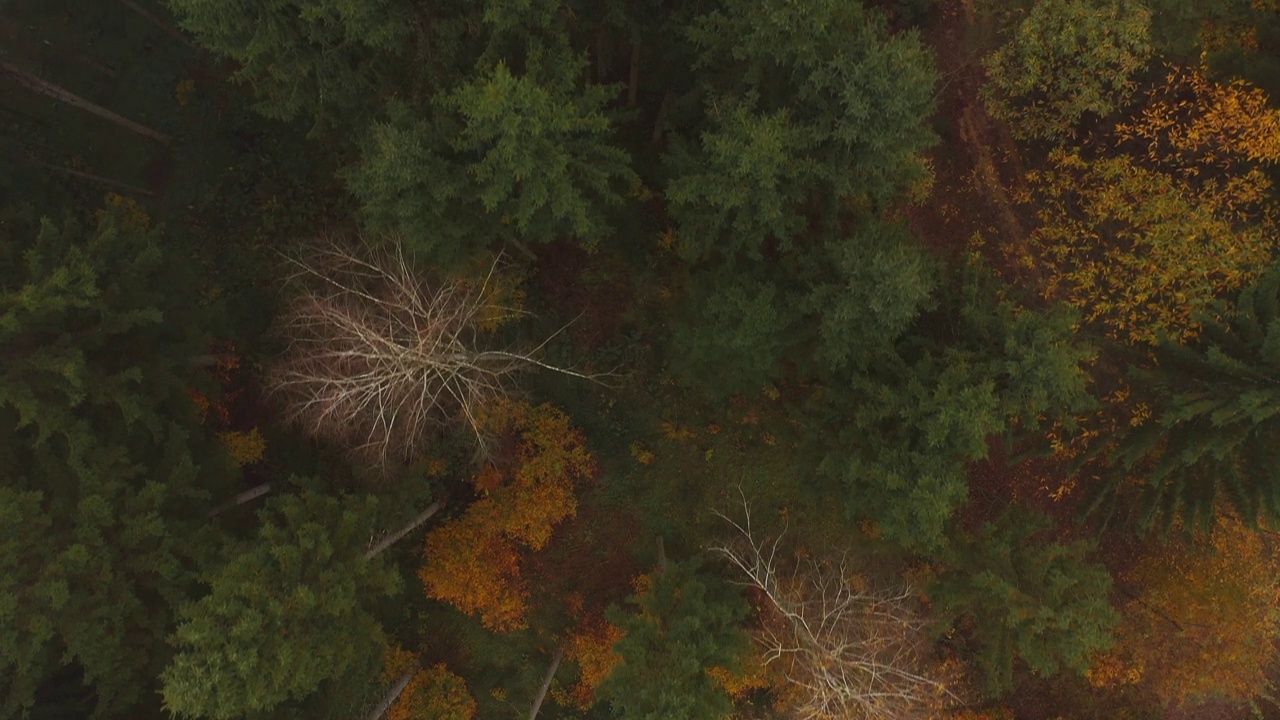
(105, 471)
(907, 422)
(473, 562)
(685, 622)
(1212, 425)
(849, 651)
(1141, 253)
(284, 613)
(1027, 599)
(526, 156)
(1201, 619)
(1066, 59)
(381, 356)
(433, 693)
(321, 59)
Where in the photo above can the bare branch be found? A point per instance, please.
(379, 358)
(853, 651)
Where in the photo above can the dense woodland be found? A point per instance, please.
(639, 359)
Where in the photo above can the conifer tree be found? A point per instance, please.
(105, 471)
(1214, 427)
(1026, 599)
(685, 623)
(285, 613)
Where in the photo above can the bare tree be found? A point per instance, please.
(854, 653)
(380, 356)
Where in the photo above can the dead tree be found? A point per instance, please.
(380, 357)
(854, 653)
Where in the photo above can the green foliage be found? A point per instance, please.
(284, 614)
(916, 415)
(1040, 602)
(104, 472)
(857, 97)
(320, 58)
(1066, 59)
(543, 159)
(527, 156)
(1215, 426)
(686, 623)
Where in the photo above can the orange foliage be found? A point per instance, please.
(473, 562)
(591, 647)
(1205, 621)
(434, 693)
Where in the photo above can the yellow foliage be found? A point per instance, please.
(244, 448)
(641, 454)
(1205, 621)
(127, 213)
(1142, 253)
(675, 432)
(1191, 122)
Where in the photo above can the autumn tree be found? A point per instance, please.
(433, 693)
(1023, 598)
(848, 649)
(381, 356)
(1066, 59)
(1140, 252)
(684, 622)
(1200, 620)
(473, 562)
(105, 473)
(1210, 423)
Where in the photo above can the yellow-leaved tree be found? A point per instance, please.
(1141, 252)
(1201, 621)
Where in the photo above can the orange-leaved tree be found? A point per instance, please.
(473, 562)
(1202, 621)
(590, 645)
(1141, 252)
(433, 693)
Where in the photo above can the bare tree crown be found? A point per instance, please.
(380, 356)
(849, 652)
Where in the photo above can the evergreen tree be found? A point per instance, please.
(1039, 602)
(1214, 427)
(322, 58)
(686, 622)
(105, 473)
(284, 614)
(911, 419)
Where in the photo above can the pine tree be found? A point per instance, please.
(105, 471)
(1214, 430)
(685, 624)
(286, 612)
(1026, 599)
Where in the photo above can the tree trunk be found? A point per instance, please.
(48, 89)
(165, 27)
(385, 703)
(546, 683)
(242, 498)
(663, 109)
(108, 182)
(391, 539)
(634, 86)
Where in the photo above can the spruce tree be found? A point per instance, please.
(105, 471)
(1214, 430)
